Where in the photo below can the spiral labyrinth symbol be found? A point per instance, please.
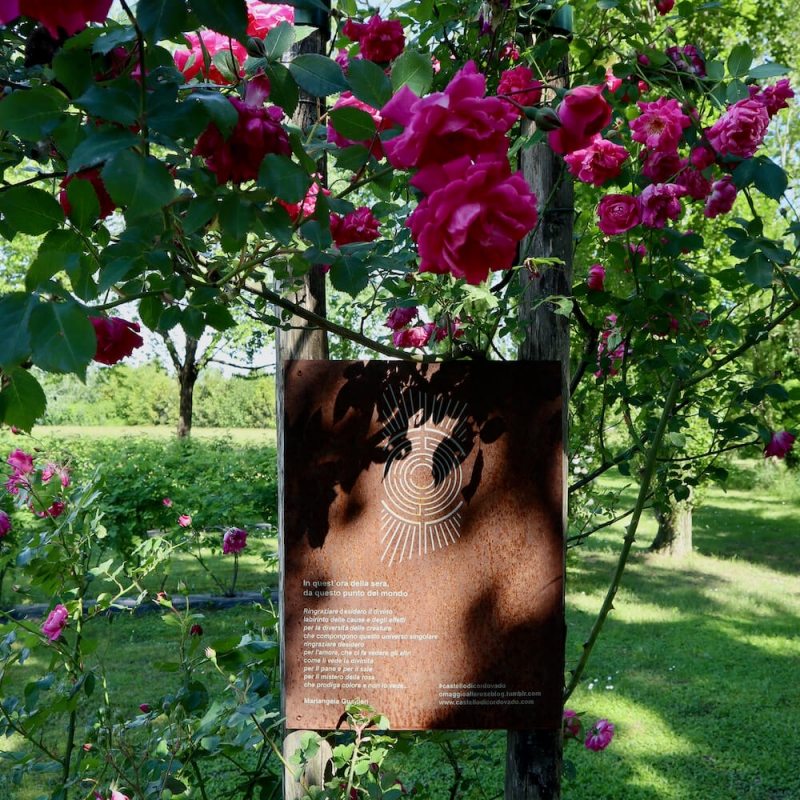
(422, 478)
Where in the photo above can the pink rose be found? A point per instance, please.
(144, 708)
(418, 336)
(116, 338)
(583, 113)
(473, 217)
(702, 157)
(263, 17)
(55, 623)
(69, 15)
(597, 163)
(55, 469)
(55, 510)
(687, 59)
(520, 85)
(357, 226)
(660, 165)
(400, 317)
(184, 520)
(167, 502)
(596, 279)
(660, 202)
(618, 213)
(572, 724)
(379, 40)
(5, 524)
(444, 126)
(721, 199)
(238, 157)
(740, 130)
(780, 443)
(774, 97)
(107, 205)
(600, 735)
(20, 462)
(660, 125)
(190, 61)
(697, 186)
(234, 541)
(346, 100)
(308, 206)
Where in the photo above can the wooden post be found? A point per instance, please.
(533, 758)
(302, 341)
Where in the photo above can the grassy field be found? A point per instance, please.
(698, 665)
(265, 436)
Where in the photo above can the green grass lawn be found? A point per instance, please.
(698, 665)
(265, 436)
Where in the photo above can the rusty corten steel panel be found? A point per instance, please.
(423, 544)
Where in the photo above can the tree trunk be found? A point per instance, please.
(187, 377)
(674, 535)
(302, 341)
(533, 758)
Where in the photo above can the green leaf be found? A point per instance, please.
(84, 204)
(63, 339)
(60, 250)
(22, 400)
(412, 69)
(73, 69)
(32, 114)
(353, 123)
(745, 173)
(161, 19)
(143, 185)
(353, 158)
(193, 322)
(30, 210)
(768, 70)
(736, 91)
(115, 37)
(100, 147)
(219, 318)
(110, 104)
(278, 41)
(201, 210)
(770, 179)
(369, 83)
(283, 90)
(715, 70)
(15, 311)
(287, 180)
(677, 439)
(220, 110)
(758, 270)
(235, 220)
(739, 60)
(318, 75)
(228, 17)
(150, 309)
(227, 65)
(349, 275)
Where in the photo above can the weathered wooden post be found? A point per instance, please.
(533, 758)
(303, 341)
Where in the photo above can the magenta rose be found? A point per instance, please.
(687, 59)
(5, 524)
(661, 165)
(190, 62)
(774, 97)
(20, 462)
(740, 130)
(379, 40)
(520, 85)
(473, 216)
(583, 114)
(346, 100)
(444, 126)
(721, 199)
(234, 541)
(237, 157)
(417, 336)
(116, 338)
(664, 6)
(600, 735)
(400, 317)
(660, 125)
(69, 15)
(697, 186)
(660, 202)
(184, 520)
(597, 163)
(263, 17)
(357, 226)
(618, 213)
(107, 205)
(596, 279)
(55, 623)
(571, 723)
(196, 630)
(780, 443)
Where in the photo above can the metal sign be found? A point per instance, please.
(423, 548)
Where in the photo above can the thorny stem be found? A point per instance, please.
(630, 536)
